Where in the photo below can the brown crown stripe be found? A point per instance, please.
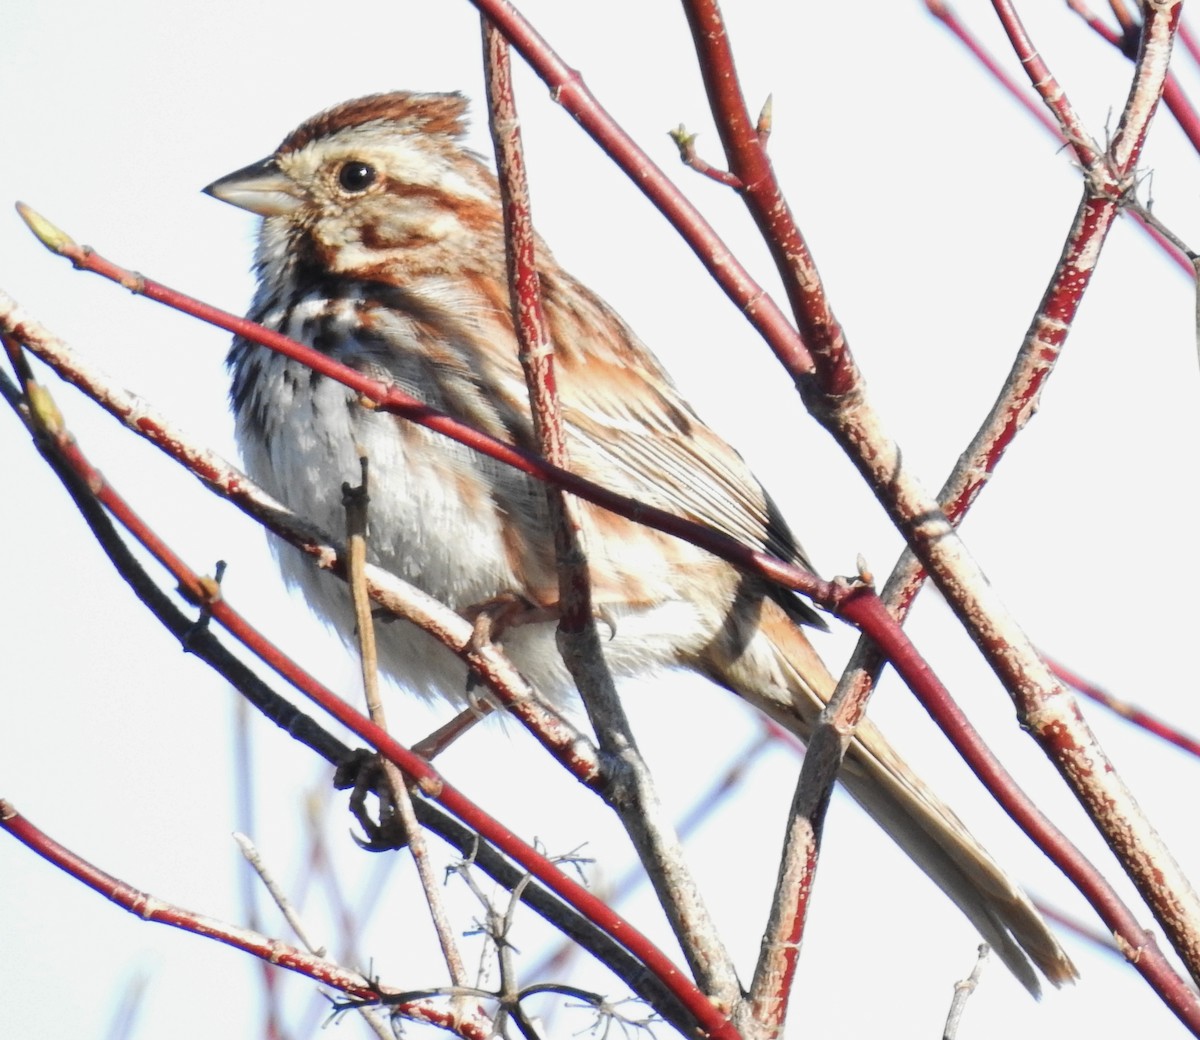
(429, 113)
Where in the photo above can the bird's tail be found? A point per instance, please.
(774, 667)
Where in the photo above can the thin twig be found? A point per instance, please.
(398, 803)
(554, 963)
(591, 924)
(1126, 41)
(686, 143)
(1146, 215)
(356, 501)
(1126, 709)
(1021, 96)
(945, 14)
(632, 794)
(244, 784)
(1087, 151)
(962, 993)
(1091, 935)
(149, 908)
(292, 916)
(843, 407)
(487, 661)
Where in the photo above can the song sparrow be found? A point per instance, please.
(382, 245)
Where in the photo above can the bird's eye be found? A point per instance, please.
(356, 176)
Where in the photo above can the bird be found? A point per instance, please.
(382, 246)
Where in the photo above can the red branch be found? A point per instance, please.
(524, 285)
(749, 163)
(832, 595)
(1188, 38)
(386, 397)
(477, 1026)
(844, 408)
(572, 93)
(948, 18)
(818, 317)
(1127, 710)
(1052, 94)
(434, 786)
(1126, 41)
(946, 15)
(1138, 944)
(573, 751)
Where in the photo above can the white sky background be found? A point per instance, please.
(936, 210)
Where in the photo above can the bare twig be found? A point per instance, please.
(632, 794)
(677, 993)
(476, 1026)
(488, 662)
(700, 811)
(1087, 151)
(847, 598)
(1091, 935)
(962, 993)
(1126, 709)
(398, 802)
(1126, 41)
(1147, 217)
(1051, 126)
(278, 895)
(945, 14)
(149, 908)
(292, 916)
(686, 143)
(1188, 39)
(843, 407)
(244, 784)
(356, 501)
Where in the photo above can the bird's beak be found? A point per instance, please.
(261, 188)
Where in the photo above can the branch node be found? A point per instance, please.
(134, 282)
(206, 592)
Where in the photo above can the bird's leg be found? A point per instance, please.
(442, 737)
(493, 617)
